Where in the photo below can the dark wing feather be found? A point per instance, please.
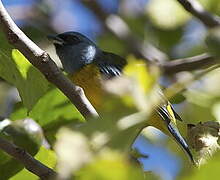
(110, 70)
(168, 104)
(164, 114)
(110, 64)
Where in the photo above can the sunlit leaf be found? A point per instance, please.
(213, 41)
(177, 99)
(138, 69)
(110, 165)
(110, 43)
(206, 171)
(26, 134)
(17, 70)
(51, 112)
(73, 150)
(167, 14)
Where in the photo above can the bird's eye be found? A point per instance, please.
(71, 39)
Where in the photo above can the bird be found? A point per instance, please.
(87, 66)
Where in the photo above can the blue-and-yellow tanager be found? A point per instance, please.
(87, 66)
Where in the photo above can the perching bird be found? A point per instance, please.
(87, 65)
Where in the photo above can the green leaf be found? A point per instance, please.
(178, 98)
(87, 158)
(45, 156)
(8, 165)
(167, 14)
(167, 39)
(33, 84)
(26, 134)
(52, 107)
(110, 165)
(213, 41)
(10, 168)
(15, 170)
(17, 70)
(110, 43)
(51, 112)
(208, 171)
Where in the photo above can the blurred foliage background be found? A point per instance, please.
(158, 30)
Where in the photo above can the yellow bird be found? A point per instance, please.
(87, 66)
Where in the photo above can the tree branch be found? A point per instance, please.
(147, 51)
(117, 26)
(27, 160)
(42, 61)
(188, 64)
(122, 31)
(198, 11)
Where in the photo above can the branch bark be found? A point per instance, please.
(198, 11)
(188, 64)
(27, 160)
(42, 61)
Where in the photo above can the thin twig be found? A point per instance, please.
(27, 160)
(42, 61)
(117, 26)
(188, 64)
(120, 29)
(198, 11)
(181, 86)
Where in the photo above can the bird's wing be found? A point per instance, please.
(110, 64)
(167, 113)
(167, 107)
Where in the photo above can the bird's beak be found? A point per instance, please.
(175, 133)
(55, 39)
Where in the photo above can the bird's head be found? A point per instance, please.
(74, 50)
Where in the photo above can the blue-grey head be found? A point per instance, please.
(74, 50)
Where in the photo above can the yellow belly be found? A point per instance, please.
(89, 78)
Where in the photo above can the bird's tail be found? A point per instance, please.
(168, 116)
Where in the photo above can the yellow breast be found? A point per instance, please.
(89, 78)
